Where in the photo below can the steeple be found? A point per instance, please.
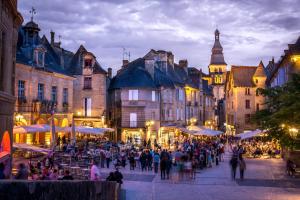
(217, 57)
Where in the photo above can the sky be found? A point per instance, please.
(251, 30)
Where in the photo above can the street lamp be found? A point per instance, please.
(293, 132)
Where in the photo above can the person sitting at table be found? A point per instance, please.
(67, 176)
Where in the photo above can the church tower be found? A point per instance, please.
(217, 68)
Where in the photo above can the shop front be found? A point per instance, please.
(134, 136)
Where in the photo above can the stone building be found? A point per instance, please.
(52, 80)
(11, 19)
(153, 98)
(280, 72)
(217, 79)
(89, 102)
(242, 98)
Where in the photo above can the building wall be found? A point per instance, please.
(97, 94)
(10, 20)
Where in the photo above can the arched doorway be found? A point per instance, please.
(5, 151)
(40, 138)
(17, 137)
(5, 143)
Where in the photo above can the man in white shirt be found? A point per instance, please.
(95, 172)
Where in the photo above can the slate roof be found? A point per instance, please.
(243, 76)
(56, 60)
(207, 90)
(217, 57)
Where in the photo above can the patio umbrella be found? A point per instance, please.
(53, 132)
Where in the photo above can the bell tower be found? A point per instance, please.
(217, 68)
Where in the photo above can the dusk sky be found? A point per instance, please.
(251, 30)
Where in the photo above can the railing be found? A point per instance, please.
(133, 124)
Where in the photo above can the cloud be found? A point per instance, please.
(186, 27)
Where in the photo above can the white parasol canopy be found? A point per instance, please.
(41, 128)
(31, 148)
(88, 130)
(250, 134)
(197, 130)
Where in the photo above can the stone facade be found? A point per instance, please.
(10, 22)
(242, 98)
(31, 109)
(90, 93)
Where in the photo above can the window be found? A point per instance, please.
(153, 95)
(40, 92)
(247, 118)
(177, 114)
(87, 83)
(247, 91)
(182, 114)
(257, 107)
(3, 56)
(88, 63)
(39, 57)
(257, 92)
(153, 115)
(181, 95)
(21, 89)
(87, 105)
(256, 81)
(65, 95)
(247, 104)
(54, 93)
(133, 95)
(133, 120)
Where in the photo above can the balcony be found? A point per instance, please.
(133, 124)
(65, 108)
(129, 103)
(22, 105)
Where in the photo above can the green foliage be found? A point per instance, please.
(282, 111)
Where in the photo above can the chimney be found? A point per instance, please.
(183, 63)
(109, 72)
(125, 62)
(52, 37)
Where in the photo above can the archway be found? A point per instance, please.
(5, 143)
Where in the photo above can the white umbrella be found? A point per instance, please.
(250, 134)
(32, 128)
(31, 148)
(89, 130)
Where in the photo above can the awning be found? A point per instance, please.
(200, 130)
(41, 128)
(88, 130)
(250, 134)
(28, 147)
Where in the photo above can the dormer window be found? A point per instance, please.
(87, 63)
(39, 57)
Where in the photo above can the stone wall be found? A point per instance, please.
(58, 190)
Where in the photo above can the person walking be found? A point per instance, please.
(107, 157)
(156, 162)
(234, 164)
(242, 166)
(131, 161)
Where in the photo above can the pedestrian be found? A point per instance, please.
(156, 162)
(131, 161)
(107, 157)
(118, 176)
(242, 166)
(102, 158)
(234, 164)
(22, 173)
(54, 175)
(95, 172)
(67, 176)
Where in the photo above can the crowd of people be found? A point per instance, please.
(257, 148)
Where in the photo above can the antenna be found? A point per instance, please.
(32, 12)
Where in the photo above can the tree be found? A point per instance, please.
(281, 116)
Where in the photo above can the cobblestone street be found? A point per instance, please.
(265, 180)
